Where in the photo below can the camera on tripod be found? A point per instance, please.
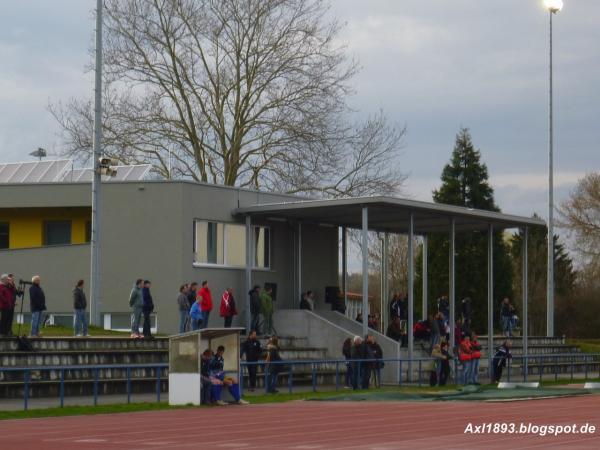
(21, 289)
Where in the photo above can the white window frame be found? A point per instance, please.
(225, 264)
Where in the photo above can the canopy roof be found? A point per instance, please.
(387, 214)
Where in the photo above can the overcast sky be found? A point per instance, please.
(432, 65)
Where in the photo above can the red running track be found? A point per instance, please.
(313, 426)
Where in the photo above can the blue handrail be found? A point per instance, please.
(552, 361)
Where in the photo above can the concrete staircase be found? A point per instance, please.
(79, 353)
(298, 349)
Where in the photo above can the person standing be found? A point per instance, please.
(147, 308)
(475, 357)
(184, 308)
(506, 313)
(207, 303)
(394, 330)
(444, 307)
(255, 309)
(80, 304)
(266, 309)
(37, 303)
(394, 306)
(252, 349)
(436, 329)
(376, 366)
(192, 292)
(501, 356)
(273, 357)
(15, 293)
(356, 354)
(136, 302)
(6, 299)
(196, 314)
(465, 355)
(347, 352)
(227, 308)
(467, 313)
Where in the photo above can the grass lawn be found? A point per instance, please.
(586, 345)
(56, 331)
(256, 399)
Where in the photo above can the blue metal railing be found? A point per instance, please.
(537, 366)
(95, 369)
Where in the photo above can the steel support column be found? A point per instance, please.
(365, 269)
(490, 299)
(425, 280)
(345, 266)
(299, 293)
(248, 271)
(386, 287)
(451, 281)
(525, 332)
(411, 297)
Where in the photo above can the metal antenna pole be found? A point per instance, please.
(95, 296)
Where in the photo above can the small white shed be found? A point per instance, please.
(185, 352)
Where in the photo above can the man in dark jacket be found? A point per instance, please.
(6, 306)
(255, 309)
(467, 314)
(253, 351)
(444, 307)
(147, 308)
(191, 292)
(356, 354)
(377, 353)
(37, 303)
(79, 304)
(394, 330)
(205, 397)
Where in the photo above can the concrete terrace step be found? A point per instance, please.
(86, 343)
(85, 357)
(517, 341)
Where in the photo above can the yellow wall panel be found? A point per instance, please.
(27, 225)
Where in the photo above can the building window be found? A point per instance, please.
(88, 231)
(225, 244)
(57, 232)
(208, 247)
(262, 247)
(4, 235)
(235, 245)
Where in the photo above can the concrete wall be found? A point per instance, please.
(324, 333)
(147, 232)
(60, 267)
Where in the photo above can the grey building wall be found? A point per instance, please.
(147, 232)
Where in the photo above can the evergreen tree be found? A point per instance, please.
(564, 281)
(465, 183)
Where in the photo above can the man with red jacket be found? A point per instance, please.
(227, 309)
(206, 305)
(6, 306)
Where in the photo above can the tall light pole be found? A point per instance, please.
(95, 297)
(553, 7)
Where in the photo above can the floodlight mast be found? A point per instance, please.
(95, 293)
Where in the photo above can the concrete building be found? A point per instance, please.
(169, 232)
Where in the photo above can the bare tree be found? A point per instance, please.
(237, 92)
(580, 218)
